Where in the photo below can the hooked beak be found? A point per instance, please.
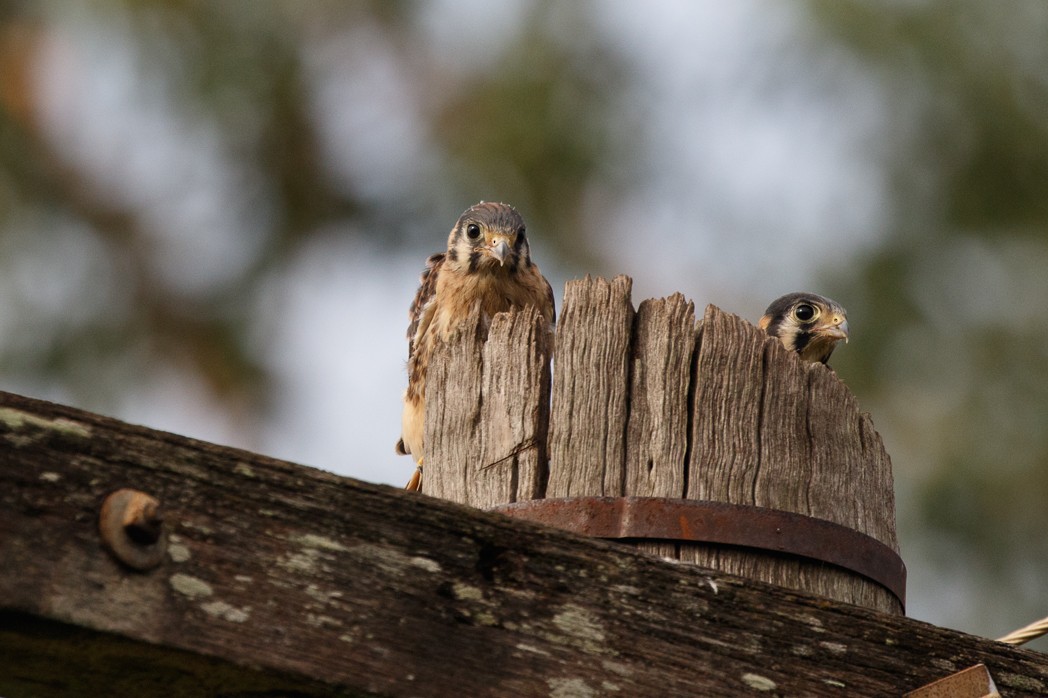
(836, 328)
(499, 248)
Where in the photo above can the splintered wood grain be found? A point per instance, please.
(785, 444)
(726, 410)
(487, 411)
(837, 465)
(286, 580)
(771, 430)
(878, 479)
(657, 430)
(848, 462)
(514, 411)
(590, 389)
(454, 381)
(656, 441)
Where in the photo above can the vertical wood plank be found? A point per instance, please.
(726, 410)
(656, 436)
(657, 430)
(487, 411)
(880, 483)
(837, 466)
(514, 411)
(784, 456)
(454, 380)
(590, 379)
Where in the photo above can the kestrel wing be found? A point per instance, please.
(421, 310)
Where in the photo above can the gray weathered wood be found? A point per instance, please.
(487, 407)
(454, 381)
(657, 431)
(726, 410)
(774, 431)
(285, 580)
(590, 389)
(878, 512)
(656, 442)
(515, 410)
(647, 404)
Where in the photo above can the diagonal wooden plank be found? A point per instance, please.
(276, 572)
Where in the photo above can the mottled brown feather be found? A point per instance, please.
(426, 290)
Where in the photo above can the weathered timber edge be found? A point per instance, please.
(278, 573)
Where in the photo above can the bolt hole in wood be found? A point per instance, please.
(132, 529)
(649, 402)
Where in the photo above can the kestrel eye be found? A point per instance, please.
(520, 231)
(473, 231)
(805, 312)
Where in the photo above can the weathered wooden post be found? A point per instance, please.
(486, 425)
(707, 442)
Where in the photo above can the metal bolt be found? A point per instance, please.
(132, 528)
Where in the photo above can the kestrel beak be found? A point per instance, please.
(836, 328)
(499, 248)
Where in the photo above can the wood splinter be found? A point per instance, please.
(131, 527)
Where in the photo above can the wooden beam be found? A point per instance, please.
(280, 575)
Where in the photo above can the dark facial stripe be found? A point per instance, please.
(800, 340)
(523, 251)
(453, 255)
(474, 260)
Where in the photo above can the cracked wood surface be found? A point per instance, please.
(285, 580)
(487, 417)
(773, 431)
(590, 389)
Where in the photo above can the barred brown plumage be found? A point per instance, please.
(488, 262)
(807, 323)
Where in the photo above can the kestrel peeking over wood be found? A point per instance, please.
(487, 262)
(808, 324)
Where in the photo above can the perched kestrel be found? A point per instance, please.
(808, 324)
(488, 262)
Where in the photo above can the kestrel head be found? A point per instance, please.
(807, 323)
(489, 237)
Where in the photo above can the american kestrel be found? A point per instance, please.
(808, 324)
(487, 262)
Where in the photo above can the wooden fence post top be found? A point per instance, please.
(648, 402)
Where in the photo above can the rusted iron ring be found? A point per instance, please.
(697, 521)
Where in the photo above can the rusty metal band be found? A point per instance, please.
(697, 521)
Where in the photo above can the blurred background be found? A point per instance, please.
(213, 216)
